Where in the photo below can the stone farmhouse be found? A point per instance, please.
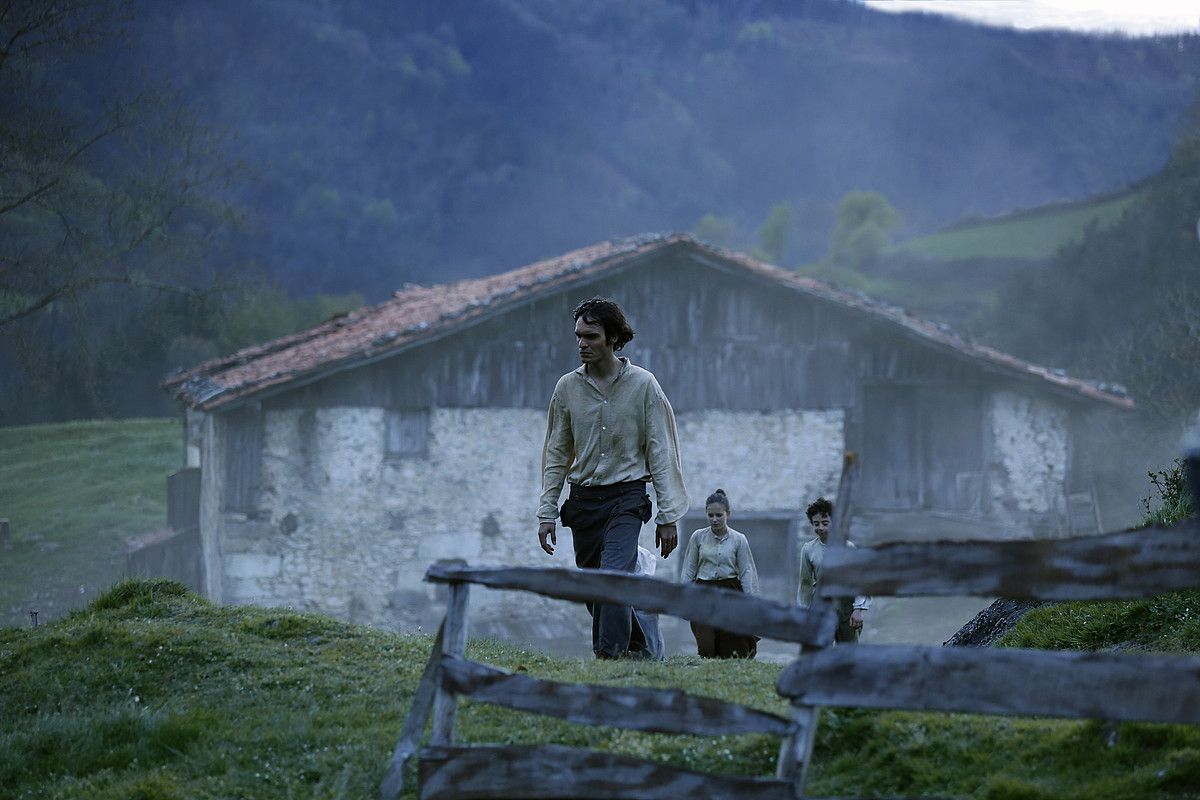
(334, 465)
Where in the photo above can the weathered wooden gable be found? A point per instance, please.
(714, 339)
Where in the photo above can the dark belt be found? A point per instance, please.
(605, 492)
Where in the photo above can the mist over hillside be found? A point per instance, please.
(425, 141)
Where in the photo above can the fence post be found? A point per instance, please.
(454, 643)
(414, 723)
(795, 752)
(1191, 463)
(5, 534)
(839, 528)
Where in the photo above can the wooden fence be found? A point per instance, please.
(449, 771)
(1105, 686)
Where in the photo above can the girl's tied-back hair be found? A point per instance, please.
(607, 314)
(820, 506)
(720, 498)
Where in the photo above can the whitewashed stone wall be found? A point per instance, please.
(345, 530)
(1029, 457)
(764, 461)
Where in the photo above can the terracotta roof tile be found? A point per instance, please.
(417, 312)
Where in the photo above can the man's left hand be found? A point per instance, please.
(665, 538)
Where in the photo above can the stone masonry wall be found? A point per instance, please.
(765, 462)
(1029, 457)
(344, 530)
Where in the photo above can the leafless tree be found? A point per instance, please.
(115, 190)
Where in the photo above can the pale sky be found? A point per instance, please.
(1130, 17)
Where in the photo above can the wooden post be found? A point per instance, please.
(5, 534)
(795, 752)
(839, 528)
(1191, 464)
(454, 643)
(414, 723)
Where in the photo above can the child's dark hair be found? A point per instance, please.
(720, 498)
(819, 506)
(607, 314)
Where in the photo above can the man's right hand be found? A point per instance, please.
(547, 537)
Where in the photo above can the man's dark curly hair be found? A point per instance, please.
(607, 314)
(819, 506)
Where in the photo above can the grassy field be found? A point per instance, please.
(152, 693)
(72, 494)
(1035, 234)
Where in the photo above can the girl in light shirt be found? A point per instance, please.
(720, 556)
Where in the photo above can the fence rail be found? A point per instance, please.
(554, 771)
(731, 611)
(659, 710)
(1000, 681)
(1116, 565)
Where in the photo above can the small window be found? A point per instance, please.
(407, 434)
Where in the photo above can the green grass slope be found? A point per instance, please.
(73, 493)
(1167, 623)
(1035, 234)
(153, 693)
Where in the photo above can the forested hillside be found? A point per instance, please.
(180, 180)
(433, 140)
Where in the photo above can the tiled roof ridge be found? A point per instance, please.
(197, 387)
(416, 312)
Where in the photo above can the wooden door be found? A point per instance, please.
(893, 460)
(922, 448)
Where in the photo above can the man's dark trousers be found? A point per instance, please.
(605, 522)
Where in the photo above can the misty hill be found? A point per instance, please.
(955, 275)
(431, 140)
(1036, 233)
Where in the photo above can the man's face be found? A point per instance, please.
(593, 347)
(820, 525)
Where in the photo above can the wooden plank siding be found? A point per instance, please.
(696, 327)
(659, 710)
(1117, 565)
(555, 771)
(732, 611)
(1000, 681)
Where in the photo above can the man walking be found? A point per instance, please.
(610, 430)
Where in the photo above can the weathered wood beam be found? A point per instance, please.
(554, 771)
(414, 723)
(660, 710)
(795, 751)
(1117, 565)
(839, 529)
(1000, 681)
(445, 707)
(720, 608)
